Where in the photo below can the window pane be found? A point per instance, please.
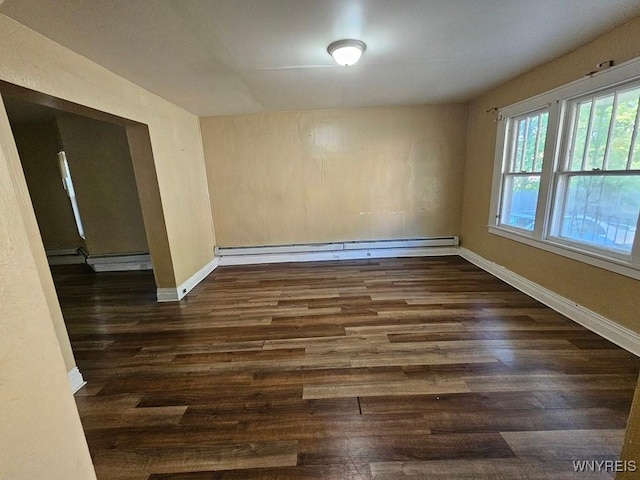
(580, 137)
(68, 186)
(530, 135)
(530, 144)
(516, 164)
(625, 119)
(520, 200)
(599, 132)
(542, 139)
(602, 211)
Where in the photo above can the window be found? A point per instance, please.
(567, 174)
(599, 179)
(67, 183)
(521, 180)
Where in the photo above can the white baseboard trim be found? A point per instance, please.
(165, 294)
(320, 256)
(621, 336)
(75, 379)
(176, 294)
(120, 263)
(301, 253)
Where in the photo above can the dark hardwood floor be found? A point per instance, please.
(416, 368)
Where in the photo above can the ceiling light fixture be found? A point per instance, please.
(346, 52)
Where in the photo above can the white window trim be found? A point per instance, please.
(556, 100)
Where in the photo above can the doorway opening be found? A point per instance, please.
(97, 204)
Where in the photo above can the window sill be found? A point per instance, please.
(601, 261)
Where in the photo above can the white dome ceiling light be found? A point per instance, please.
(346, 52)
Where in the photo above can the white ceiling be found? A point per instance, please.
(217, 57)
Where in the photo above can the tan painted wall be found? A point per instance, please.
(41, 432)
(33, 61)
(38, 146)
(331, 175)
(43, 436)
(149, 194)
(102, 174)
(30, 60)
(631, 447)
(607, 293)
(35, 242)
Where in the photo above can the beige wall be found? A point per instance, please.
(102, 174)
(35, 242)
(331, 175)
(38, 146)
(41, 432)
(30, 60)
(607, 293)
(33, 61)
(42, 436)
(631, 447)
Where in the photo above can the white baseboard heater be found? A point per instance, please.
(311, 252)
(100, 263)
(120, 263)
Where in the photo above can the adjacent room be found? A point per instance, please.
(318, 239)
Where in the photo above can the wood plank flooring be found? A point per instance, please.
(416, 368)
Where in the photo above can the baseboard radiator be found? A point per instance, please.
(100, 263)
(310, 252)
(120, 263)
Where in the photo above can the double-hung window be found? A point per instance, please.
(522, 170)
(598, 182)
(567, 173)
